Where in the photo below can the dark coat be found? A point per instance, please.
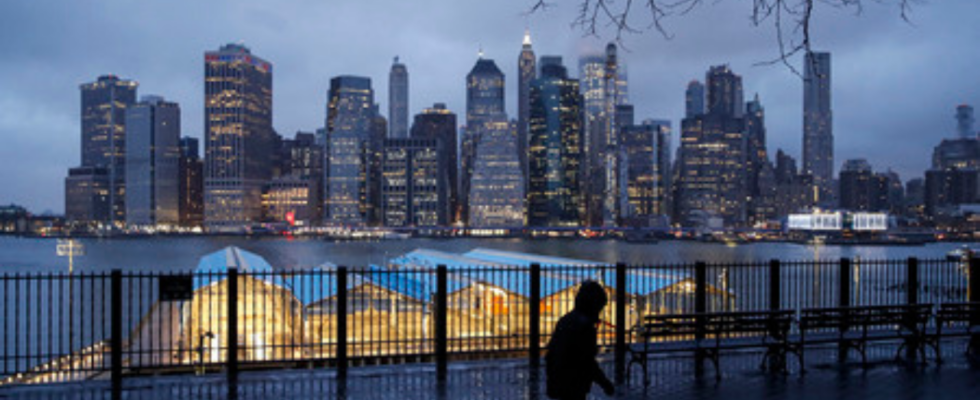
(570, 363)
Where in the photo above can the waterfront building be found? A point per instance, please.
(484, 103)
(759, 183)
(438, 123)
(496, 198)
(712, 155)
(795, 190)
(398, 100)
(291, 199)
(603, 89)
(859, 187)
(818, 133)
(415, 183)
(153, 162)
(525, 74)
(191, 186)
(646, 163)
(239, 140)
(104, 104)
(554, 196)
(952, 181)
(694, 99)
(87, 199)
(350, 152)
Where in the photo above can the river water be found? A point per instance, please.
(26, 255)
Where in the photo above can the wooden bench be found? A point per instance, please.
(854, 327)
(710, 333)
(955, 320)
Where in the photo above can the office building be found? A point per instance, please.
(484, 104)
(438, 123)
(398, 101)
(496, 198)
(526, 72)
(153, 163)
(818, 133)
(415, 183)
(87, 200)
(647, 173)
(191, 187)
(350, 152)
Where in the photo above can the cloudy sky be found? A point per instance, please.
(894, 90)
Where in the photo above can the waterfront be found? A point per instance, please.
(164, 254)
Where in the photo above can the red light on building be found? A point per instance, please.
(291, 218)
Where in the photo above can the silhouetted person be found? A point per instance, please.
(570, 364)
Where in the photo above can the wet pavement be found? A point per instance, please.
(671, 378)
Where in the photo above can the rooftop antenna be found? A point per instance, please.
(480, 53)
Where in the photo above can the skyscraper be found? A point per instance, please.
(712, 155)
(153, 163)
(484, 105)
(525, 73)
(398, 101)
(191, 183)
(497, 188)
(646, 163)
(239, 139)
(603, 88)
(348, 177)
(694, 99)
(438, 123)
(818, 134)
(964, 122)
(759, 185)
(414, 184)
(554, 195)
(104, 104)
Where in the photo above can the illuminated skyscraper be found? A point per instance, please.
(398, 101)
(646, 163)
(484, 105)
(438, 123)
(104, 104)
(497, 188)
(153, 163)
(554, 195)
(525, 73)
(818, 130)
(191, 183)
(239, 139)
(348, 188)
(414, 184)
(694, 99)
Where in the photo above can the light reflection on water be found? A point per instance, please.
(173, 254)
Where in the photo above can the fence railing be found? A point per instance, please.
(59, 327)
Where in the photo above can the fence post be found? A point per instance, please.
(341, 313)
(775, 296)
(700, 307)
(620, 350)
(231, 364)
(535, 317)
(442, 325)
(912, 281)
(973, 295)
(116, 332)
(844, 300)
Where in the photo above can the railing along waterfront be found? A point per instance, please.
(60, 327)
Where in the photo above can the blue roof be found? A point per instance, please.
(410, 284)
(319, 283)
(526, 259)
(644, 282)
(213, 268)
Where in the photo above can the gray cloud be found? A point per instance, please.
(895, 84)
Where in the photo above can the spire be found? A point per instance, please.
(480, 53)
(527, 37)
(396, 60)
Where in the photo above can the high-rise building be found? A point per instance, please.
(438, 123)
(484, 105)
(398, 101)
(104, 104)
(153, 163)
(414, 183)
(239, 139)
(964, 122)
(758, 170)
(554, 197)
(694, 99)
(818, 134)
(646, 163)
(348, 183)
(712, 155)
(87, 196)
(295, 194)
(525, 74)
(496, 197)
(795, 190)
(859, 189)
(191, 183)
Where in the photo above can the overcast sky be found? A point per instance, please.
(895, 85)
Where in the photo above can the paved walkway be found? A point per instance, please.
(672, 378)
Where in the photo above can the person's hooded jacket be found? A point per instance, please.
(570, 363)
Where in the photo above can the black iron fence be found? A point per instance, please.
(60, 328)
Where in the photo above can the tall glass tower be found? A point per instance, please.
(239, 139)
(526, 73)
(484, 105)
(818, 132)
(347, 167)
(398, 101)
(153, 162)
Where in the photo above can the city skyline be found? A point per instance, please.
(40, 124)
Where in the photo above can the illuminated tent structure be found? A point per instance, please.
(270, 325)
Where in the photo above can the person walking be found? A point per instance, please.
(570, 364)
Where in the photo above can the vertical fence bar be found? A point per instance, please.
(535, 318)
(775, 296)
(620, 354)
(232, 328)
(844, 300)
(700, 307)
(341, 314)
(441, 322)
(912, 281)
(116, 332)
